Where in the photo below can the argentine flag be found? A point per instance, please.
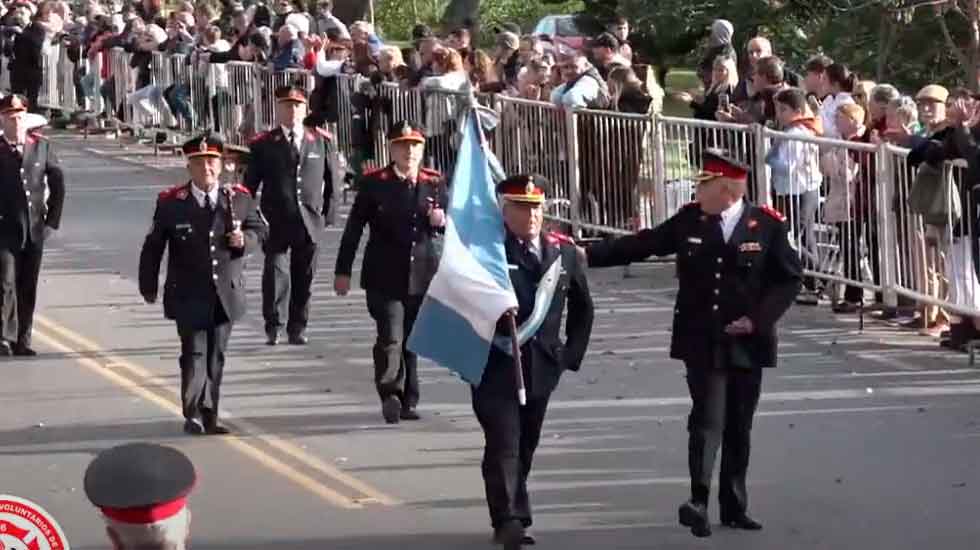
(471, 289)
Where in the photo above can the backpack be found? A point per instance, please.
(934, 197)
(603, 100)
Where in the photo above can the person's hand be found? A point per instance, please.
(49, 232)
(683, 97)
(582, 254)
(740, 326)
(341, 285)
(150, 298)
(437, 217)
(236, 239)
(724, 116)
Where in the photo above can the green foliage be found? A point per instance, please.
(396, 18)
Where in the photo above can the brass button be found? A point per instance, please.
(215, 276)
(214, 262)
(717, 292)
(213, 248)
(715, 307)
(719, 260)
(717, 275)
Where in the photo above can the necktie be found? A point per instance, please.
(207, 202)
(292, 142)
(714, 221)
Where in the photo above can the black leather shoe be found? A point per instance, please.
(5, 349)
(528, 539)
(271, 337)
(742, 522)
(211, 426)
(298, 340)
(510, 535)
(391, 409)
(193, 427)
(695, 516)
(409, 413)
(21, 350)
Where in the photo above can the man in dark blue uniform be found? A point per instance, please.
(209, 230)
(32, 194)
(540, 265)
(738, 274)
(403, 204)
(294, 167)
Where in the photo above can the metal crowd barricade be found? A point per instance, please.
(533, 137)
(48, 95)
(123, 83)
(612, 149)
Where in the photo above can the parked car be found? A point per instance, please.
(561, 29)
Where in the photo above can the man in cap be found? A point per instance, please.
(32, 194)
(295, 168)
(210, 229)
(547, 274)
(142, 490)
(738, 274)
(404, 205)
(506, 56)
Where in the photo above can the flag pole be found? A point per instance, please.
(518, 369)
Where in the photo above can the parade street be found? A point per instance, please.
(863, 439)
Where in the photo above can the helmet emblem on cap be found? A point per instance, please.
(406, 130)
(204, 146)
(529, 188)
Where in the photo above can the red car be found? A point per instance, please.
(561, 29)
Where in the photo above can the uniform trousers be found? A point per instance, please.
(19, 271)
(511, 434)
(202, 364)
(287, 281)
(395, 368)
(725, 400)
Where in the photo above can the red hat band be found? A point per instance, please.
(146, 514)
(721, 169)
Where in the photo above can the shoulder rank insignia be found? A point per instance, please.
(555, 238)
(258, 137)
(324, 133)
(176, 192)
(773, 212)
(239, 188)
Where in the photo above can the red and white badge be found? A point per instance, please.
(26, 526)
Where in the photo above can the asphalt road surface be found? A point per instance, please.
(864, 439)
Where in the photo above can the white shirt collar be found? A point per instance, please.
(402, 175)
(199, 195)
(733, 211)
(298, 134)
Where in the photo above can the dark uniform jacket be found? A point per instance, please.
(201, 269)
(25, 67)
(544, 357)
(756, 274)
(403, 250)
(32, 192)
(294, 187)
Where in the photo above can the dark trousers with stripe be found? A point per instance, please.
(725, 400)
(287, 281)
(19, 273)
(202, 365)
(395, 368)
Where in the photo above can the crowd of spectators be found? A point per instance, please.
(814, 183)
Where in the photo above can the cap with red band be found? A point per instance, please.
(716, 164)
(295, 94)
(527, 188)
(140, 483)
(205, 145)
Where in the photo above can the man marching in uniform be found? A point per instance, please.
(32, 194)
(403, 204)
(738, 275)
(293, 166)
(547, 274)
(209, 229)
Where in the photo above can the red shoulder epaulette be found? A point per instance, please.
(428, 174)
(257, 137)
(773, 212)
(378, 173)
(555, 237)
(239, 188)
(175, 192)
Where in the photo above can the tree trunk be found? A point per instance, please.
(461, 12)
(349, 11)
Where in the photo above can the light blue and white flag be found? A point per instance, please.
(471, 289)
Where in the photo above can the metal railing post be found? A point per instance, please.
(885, 178)
(763, 191)
(574, 174)
(660, 213)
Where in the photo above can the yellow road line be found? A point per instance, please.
(241, 426)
